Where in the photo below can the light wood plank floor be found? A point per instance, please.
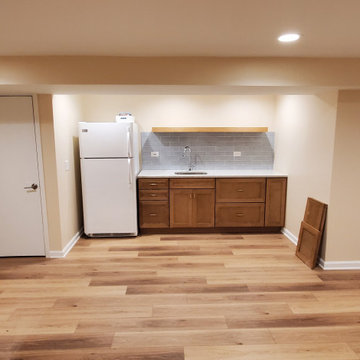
(173, 297)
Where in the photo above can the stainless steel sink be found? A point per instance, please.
(190, 173)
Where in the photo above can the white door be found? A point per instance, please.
(109, 196)
(21, 230)
(105, 140)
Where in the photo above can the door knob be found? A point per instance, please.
(33, 186)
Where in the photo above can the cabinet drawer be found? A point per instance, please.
(192, 183)
(240, 190)
(150, 184)
(155, 195)
(239, 215)
(154, 214)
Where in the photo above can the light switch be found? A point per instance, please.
(237, 153)
(67, 165)
(155, 154)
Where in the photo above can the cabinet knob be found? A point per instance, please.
(153, 214)
(240, 214)
(240, 190)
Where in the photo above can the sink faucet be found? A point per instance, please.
(187, 152)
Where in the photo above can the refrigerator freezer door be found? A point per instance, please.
(106, 140)
(109, 196)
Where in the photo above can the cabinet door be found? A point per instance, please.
(203, 208)
(152, 184)
(154, 214)
(192, 183)
(240, 190)
(275, 201)
(239, 214)
(180, 208)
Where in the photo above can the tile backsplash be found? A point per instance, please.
(212, 151)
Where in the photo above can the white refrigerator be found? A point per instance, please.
(109, 158)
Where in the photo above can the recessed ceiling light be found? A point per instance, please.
(288, 37)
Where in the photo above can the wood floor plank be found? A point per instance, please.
(184, 289)
(82, 313)
(153, 353)
(119, 301)
(325, 334)
(227, 310)
(252, 298)
(146, 280)
(192, 338)
(327, 306)
(151, 324)
(49, 342)
(293, 320)
(327, 351)
(39, 292)
(37, 326)
(310, 286)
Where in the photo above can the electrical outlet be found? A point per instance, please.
(237, 153)
(155, 154)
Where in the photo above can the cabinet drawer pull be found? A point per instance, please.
(152, 214)
(240, 190)
(154, 195)
(153, 184)
(240, 214)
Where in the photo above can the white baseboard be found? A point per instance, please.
(62, 253)
(290, 235)
(339, 265)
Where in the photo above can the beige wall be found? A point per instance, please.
(304, 141)
(50, 170)
(67, 113)
(343, 218)
(183, 110)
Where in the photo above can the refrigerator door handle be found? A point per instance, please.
(129, 142)
(130, 171)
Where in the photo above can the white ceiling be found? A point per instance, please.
(330, 28)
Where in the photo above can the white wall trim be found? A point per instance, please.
(339, 265)
(290, 235)
(41, 175)
(62, 253)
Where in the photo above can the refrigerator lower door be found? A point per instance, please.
(109, 197)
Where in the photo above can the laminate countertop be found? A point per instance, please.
(210, 174)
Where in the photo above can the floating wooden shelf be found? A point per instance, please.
(209, 129)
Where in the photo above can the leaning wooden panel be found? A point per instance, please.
(308, 244)
(315, 214)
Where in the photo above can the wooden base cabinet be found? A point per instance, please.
(204, 203)
(192, 208)
(153, 203)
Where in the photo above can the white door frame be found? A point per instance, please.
(41, 174)
(39, 158)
